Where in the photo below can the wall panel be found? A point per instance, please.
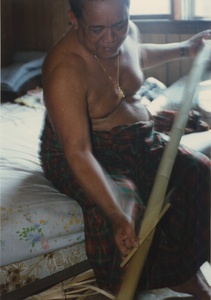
(38, 16)
(18, 10)
(29, 25)
(47, 25)
(57, 19)
(174, 67)
(7, 32)
(159, 72)
(67, 24)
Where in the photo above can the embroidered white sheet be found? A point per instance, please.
(35, 218)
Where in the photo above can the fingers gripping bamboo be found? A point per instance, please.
(142, 239)
(156, 198)
(146, 235)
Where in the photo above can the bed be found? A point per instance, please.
(42, 230)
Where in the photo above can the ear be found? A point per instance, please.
(73, 19)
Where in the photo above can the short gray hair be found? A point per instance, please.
(77, 6)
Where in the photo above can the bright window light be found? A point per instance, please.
(150, 7)
(203, 8)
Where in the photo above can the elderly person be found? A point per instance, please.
(99, 147)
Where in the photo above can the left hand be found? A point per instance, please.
(194, 44)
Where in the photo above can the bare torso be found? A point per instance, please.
(105, 109)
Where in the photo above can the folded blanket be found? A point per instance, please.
(26, 65)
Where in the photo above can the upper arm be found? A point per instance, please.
(65, 96)
(143, 56)
(134, 32)
(136, 36)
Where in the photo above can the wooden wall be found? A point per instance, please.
(170, 72)
(153, 31)
(36, 25)
(32, 25)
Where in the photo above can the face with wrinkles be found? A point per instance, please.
(103, 27)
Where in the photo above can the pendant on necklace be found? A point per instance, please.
(120, 93)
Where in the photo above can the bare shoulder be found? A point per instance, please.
(134, 32)
(64, 62)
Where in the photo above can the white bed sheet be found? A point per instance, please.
(35, 218)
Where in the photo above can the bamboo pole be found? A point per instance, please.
(146, 235)
(157, 195)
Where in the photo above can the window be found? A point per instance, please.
(150, 8)
(171, 9)
(202, 9)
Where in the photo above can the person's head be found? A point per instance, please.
(102, 25)
(77, 5)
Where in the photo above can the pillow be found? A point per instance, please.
(26, 65)
(203, 100)
(150, 90)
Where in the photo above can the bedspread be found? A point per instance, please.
(35, 218)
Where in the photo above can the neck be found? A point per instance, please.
(111, 57)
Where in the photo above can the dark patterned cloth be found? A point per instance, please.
(164, 121)
(130, 156)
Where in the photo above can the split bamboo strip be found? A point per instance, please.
(145, 236)
(79, 287)
(155, 203)
(85, 295)
(166, 206)
(67, 283)
(75, 284)
(78, 291)
(81, 277)
(99, 291)
(59, 297)
(59, 289)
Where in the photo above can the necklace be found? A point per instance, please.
(120, 91)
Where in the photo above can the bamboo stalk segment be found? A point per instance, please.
(86, 294)
(157, 195)
(166, 206)
(145, 236)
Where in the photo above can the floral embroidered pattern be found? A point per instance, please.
(21, 274)
(32, 235)
(2, 242)
(34, 215)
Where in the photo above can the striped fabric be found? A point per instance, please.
(130, 156)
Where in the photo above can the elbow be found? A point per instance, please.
(75, 154)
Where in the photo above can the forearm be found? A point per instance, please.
(93, 181)
(155, 54)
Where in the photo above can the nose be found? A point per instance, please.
(109, 36)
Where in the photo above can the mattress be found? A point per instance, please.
(42, 230)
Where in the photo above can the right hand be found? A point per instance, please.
(194, 43)
(124, 234)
